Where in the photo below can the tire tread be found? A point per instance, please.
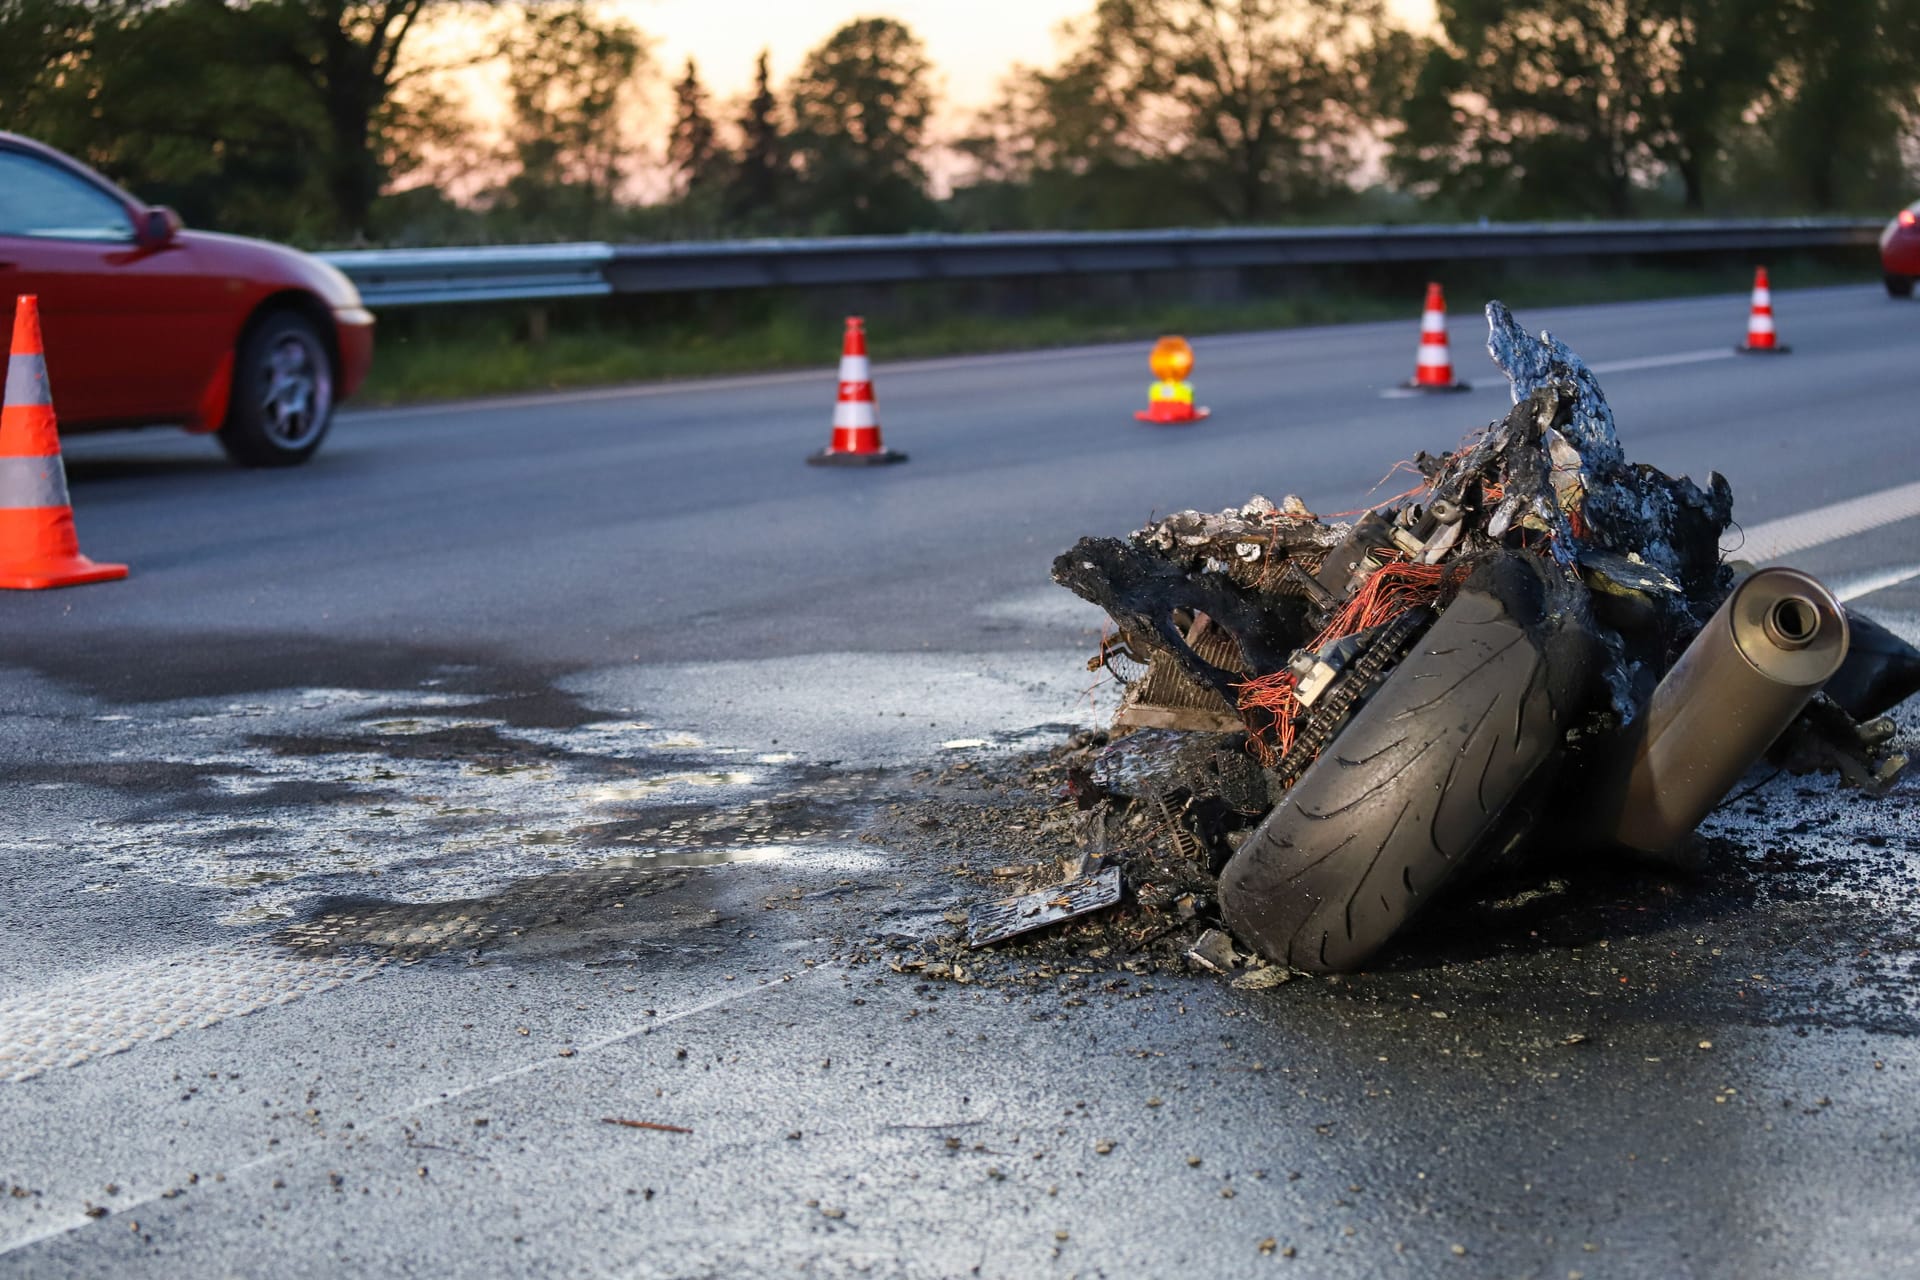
(1436, 756)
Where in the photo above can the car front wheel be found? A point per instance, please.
(1899, 286)
(282, 398)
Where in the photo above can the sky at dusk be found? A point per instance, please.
(972, 42)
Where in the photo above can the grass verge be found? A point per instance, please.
(431, 355)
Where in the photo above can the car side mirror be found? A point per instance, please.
(157, 227)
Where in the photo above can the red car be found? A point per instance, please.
(149, 324)
(1900, 251)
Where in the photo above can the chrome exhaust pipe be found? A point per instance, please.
(1770, 647)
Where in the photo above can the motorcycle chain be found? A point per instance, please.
(1331, 712)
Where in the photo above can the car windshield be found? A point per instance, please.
(40, 201)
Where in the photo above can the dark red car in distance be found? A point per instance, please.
(1900, 251)
(150, 324)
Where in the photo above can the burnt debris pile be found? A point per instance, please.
(1538, 648)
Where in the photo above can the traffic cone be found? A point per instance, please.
(1170, 398)
(856, 423)
(1433, 362)
(38, 547)
(1761, 340)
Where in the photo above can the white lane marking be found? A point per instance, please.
(1866, 584)
(1783, 537)
(111, 1012)
(597, 395)
(1405, 392)
(124, 1206)
(1603, 366)
(1663, 362)
(604, 1042)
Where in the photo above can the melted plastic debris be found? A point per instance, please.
(993, 922)
(1532, 363)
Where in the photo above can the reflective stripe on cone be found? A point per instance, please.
(26, 483)
(855, 413)
(27, 381)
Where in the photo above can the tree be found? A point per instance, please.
(1535, 107)
(763, 170)
(693, 150)
(1712, 60)
(1843, 97)
(1233, 109)
(1056, 150)
(287, 124)
(1575, 106)
(44, 48)
(571, 75)
(236, 152)
(349, 55)
(861, 103)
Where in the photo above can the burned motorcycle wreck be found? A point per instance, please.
(1538, 649)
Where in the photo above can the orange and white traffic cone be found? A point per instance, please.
(38, 546)
(1433, 362)
(856, 421)
(1761, 339)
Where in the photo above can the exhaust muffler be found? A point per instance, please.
(1773, 643)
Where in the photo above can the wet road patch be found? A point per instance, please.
(317, 792)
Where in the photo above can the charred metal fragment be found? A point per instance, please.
(1825, 739)
(1634, 509)
(1881, 670)
(1143, 592)
(1166, 698)
(1367, 546)
(992, 922)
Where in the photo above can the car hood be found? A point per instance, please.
(274, 264)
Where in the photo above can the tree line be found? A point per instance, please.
(323, 121)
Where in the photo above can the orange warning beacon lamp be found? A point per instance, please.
(1172, 359)
(1170, 399)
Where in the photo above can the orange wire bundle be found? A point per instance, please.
(1274, 694)
(1392, 589)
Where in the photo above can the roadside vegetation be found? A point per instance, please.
(436, 355)
(343, 122)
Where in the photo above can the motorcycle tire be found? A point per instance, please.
(1402, 802)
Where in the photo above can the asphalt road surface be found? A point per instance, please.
(405, 818)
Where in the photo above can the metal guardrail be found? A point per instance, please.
(502, 273)
(427, 277)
